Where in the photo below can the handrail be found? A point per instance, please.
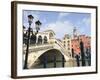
(62, 47)
(40, 47)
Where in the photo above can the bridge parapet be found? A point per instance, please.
(34, 48)
(63, 49)
(39, 47)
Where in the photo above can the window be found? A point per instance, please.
(68, 44)
(68, 41)
(64, 41)
(64, 45)
(68, 48)
(67, 37)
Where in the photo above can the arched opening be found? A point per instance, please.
(45, 39)
(33, 39)
(50, 59)
(39, 39)
(51, 35)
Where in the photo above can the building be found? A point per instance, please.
(75, 45)
(86, 40)
(67, 43)
(75, 42)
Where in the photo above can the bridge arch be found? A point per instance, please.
(49, 54)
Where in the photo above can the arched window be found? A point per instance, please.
(39, 39)
(45, 39)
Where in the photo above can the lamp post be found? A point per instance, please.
(30, 20)
(37, 27)
(38, 24)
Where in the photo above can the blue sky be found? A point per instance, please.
(60, 22)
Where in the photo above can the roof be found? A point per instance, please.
(50, 31)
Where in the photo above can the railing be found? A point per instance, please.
(39, 47)
(62, 47)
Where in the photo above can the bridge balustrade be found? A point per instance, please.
(33, 48)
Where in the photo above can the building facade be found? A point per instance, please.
(75, 43)
(67, 43)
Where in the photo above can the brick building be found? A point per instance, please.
(76, 39)
(75, 43)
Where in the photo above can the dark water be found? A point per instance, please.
(48, 65)
(59, 64)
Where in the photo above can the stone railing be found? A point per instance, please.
(63, 49)
(35, 48)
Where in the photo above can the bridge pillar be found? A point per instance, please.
(54, 60)
(82, 54)
(77, 60)
(44, 61)
(63, 65)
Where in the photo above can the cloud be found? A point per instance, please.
(25, 18)
(61, 25)
(62, 15)
(44, 20)
(60, 28)
(86, 21)
(84, 26)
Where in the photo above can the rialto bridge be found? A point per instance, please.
(47, 45)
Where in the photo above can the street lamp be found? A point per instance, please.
(30, 20)
(38, 24)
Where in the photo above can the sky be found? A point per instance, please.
(60, 22)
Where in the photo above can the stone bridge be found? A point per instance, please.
(35, 51)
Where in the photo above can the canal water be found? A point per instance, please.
(58, 64)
